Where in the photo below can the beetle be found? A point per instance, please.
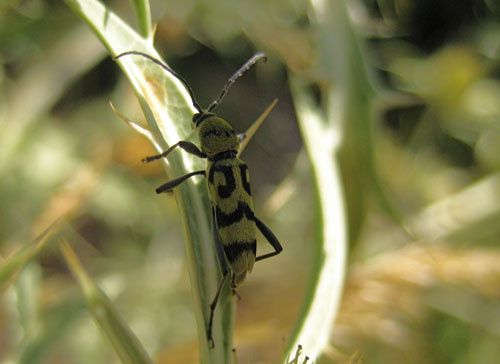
(228, 187)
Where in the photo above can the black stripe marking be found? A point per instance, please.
(236, 248)
(219, 132)
(244, 179)
(225, 220)
(211, 175)
(228, 154)
(224, 191)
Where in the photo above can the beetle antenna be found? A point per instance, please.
(166, 68)
(243, 69)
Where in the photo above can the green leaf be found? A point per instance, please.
(255, 126)
(143, 12)
(313, 328)
(109, 321)
(17, 261)
(168, 108)
(351, 101)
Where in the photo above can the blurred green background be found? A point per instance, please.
(430, 297)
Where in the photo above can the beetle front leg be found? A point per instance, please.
(187, 146)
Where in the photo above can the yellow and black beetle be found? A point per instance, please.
(228, 187)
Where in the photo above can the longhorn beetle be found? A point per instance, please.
(228, 187)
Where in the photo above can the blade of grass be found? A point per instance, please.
(53, 325)
(313, 328)
(18, 260)
(463, 216)
(169, 109)
(143, 12)
(355, 95)
(255, 126)
(125, 343)
(343, 132)
(138, 128)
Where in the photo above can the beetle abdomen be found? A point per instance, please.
(229, 190)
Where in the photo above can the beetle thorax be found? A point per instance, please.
(217, 136)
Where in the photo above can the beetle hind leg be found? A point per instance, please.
(213, 305)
